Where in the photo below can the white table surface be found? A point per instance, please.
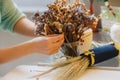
(26, 72)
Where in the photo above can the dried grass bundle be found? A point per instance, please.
(70, 69)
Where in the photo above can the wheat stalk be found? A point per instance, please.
(70, 69)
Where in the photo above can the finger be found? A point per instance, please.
(53, 51)
(52, 35)
(60, 40)
(59, 43)
(55, 37)
(56, 45)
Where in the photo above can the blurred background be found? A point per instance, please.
(29, 7)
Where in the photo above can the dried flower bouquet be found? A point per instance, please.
(72, 19)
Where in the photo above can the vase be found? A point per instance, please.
(74, 49)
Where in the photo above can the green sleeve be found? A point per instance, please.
(10, 15)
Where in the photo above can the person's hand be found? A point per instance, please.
(47, 45)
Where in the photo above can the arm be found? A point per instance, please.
(15, 52)
(14, 20)
(25, 27)
(45, 45)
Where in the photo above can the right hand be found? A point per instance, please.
(47, 45)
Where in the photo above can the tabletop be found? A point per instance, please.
(29, 72)
(109, 70)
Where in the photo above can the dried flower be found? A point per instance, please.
(61, 17)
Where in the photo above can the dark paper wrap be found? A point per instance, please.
(103, 53)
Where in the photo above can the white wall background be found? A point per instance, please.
(40, 3)
(33, 5)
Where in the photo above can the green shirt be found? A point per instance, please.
(9, 15)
